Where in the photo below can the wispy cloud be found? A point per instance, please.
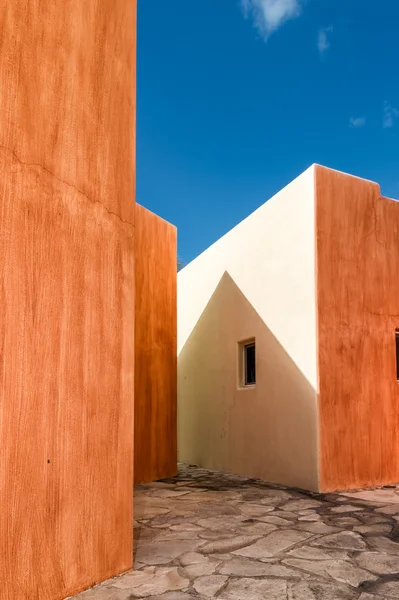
(269, 15)
(323, 43)
(357, 122)
(389, 115)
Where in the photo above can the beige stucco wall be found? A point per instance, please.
(257, 281)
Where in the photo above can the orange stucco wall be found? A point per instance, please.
(67, 118)
(155, 448)
(357, 237)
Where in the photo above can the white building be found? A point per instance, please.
(256, 285)
(288, 340)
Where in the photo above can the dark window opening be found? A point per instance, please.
(249, 363)
(397, 353)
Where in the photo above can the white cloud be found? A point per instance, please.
(389, 115)
(323, 43)
(269, 15)
(357, 122)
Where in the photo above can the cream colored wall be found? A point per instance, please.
(257, 281)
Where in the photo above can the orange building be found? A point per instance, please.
(155, 413)
(71, 248)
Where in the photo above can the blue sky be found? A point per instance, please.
(235, 98)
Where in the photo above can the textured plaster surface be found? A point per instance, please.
(67, 294)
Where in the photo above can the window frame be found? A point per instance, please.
(242, 364)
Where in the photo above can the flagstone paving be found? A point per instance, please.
(207, 535)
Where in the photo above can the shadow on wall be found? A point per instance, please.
(267, 431)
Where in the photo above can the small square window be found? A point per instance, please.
(247, 363)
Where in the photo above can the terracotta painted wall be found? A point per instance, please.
(67, 169)
(155, 448)
(358, 311)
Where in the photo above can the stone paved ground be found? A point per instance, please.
(203, 535)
